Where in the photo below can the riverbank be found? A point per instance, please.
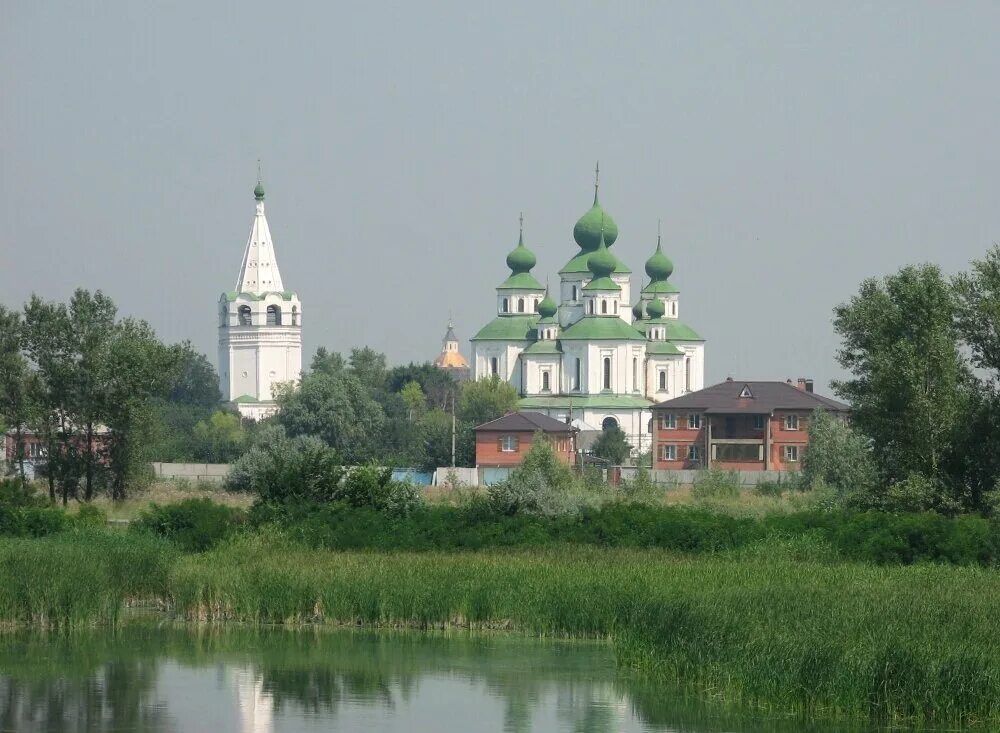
(781, 626)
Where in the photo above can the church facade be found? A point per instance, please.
(589, 355)
(260, 327)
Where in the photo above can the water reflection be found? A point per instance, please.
(169, 678)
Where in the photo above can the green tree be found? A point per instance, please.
(337, 409)
(15, 389)
(840, 457)
(413, 396)
(910, 385)
(327, 362)
(196, 382)
(486, 399)
(220, 438)
(369, 367)
(435, 431)
(437, 384)
(612, 446)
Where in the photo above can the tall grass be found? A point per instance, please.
(771, 630)
(79, 577)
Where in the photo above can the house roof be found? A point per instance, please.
(735, 396)
(527, 422)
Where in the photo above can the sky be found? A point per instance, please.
(791, 150)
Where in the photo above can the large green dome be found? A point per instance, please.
(521, 259)
(659, 267)
(637, 311)
(602, 262)
(587, 231)
(655, 308)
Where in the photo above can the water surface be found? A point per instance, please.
(149, 677)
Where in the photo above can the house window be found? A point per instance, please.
(694, 421)
(545, 382)
(662, 383)
(577, 374)
(494, 367)
(693, 453)
(505, 306)
(668, 421)
(791, 422)
(520, 305)
(508, 444)
(758, 422)
(668, 452)
(607, 372)
(791, 454)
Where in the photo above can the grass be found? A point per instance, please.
(164, 492)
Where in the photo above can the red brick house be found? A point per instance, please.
(739, 426)
(503, 442)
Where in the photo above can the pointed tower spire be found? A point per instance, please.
(597, 180)
(259, 270)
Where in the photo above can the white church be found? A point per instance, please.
(260, 327)
(592, 357)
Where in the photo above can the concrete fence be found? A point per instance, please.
(214, 472)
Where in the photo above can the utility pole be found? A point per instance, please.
(453, 429)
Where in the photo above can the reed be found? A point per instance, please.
(771, 629)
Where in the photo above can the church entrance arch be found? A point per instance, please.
(609, 423)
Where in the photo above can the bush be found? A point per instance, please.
(716, 484)
(194, 525)
(769, 488)
(542, 484)
(90, 516)
(301, 470)
(372, 486)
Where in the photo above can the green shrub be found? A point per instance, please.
(372, 486)
(543, 484)
(716, 484)
(90, 516)
(769, 488)
(194, 525)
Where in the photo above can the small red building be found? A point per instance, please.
(503, 442)
(739, 426)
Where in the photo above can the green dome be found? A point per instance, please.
(637, 311)
(547, 307)
(602, 262)
(258, 191)
(659, 267)
(655, 308)
(587, 231)
(521, 259)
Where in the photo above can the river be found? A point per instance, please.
(162, 677)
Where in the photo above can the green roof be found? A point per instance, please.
(601, 328)
(602, 283)
(521, 281)
(662, 348)
(246, 399)
(677, 331)
(508, 328)
(661, 287)
(609, 401)
(579, 265)
(546, 320)
(549, 346)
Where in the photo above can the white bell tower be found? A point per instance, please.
(260, 327)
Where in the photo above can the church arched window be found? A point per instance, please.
(577, 374)
(663, 381)
(687, 374)
(520, 305)
(245, 318)
(223, 313)
(615, 306)
(635, 373)
(545, 382)
(273, 315)
(590, 307)
(535, 306)
(607, 372)
(494, 367)
(504, 306)
(295, 316)
(604, 306)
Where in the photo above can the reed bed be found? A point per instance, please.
(770, 630)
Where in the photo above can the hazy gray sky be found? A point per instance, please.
(791, 149)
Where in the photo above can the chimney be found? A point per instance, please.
(801, 384)
(809, 385)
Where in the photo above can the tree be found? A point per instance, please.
(368, 366)
(437, 384)
(327, 362)
(335, 408)
(910, 386)
(413, 396)
(612, 446)
(486, 399)
(840, 457)
(220, 438)
(15, 403)
(435, 430)
(196, 382)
